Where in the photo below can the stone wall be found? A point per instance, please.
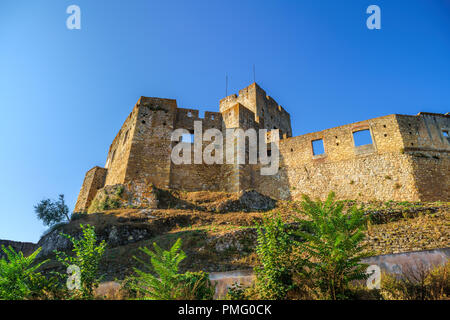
(407, 160)
(119, 151)
(432, 175)
(425, 131)
(149, 160)
(93, 181)
(371, 177)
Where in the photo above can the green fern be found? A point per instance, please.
(165, 264)
(17, 274)
(169, 284)
(332, 245)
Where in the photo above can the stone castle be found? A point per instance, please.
(407, 158)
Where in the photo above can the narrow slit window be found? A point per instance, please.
(318, 147)
(362, 137)
(445, 133)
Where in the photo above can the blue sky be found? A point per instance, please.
(65, 93)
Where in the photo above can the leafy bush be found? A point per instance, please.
(52, 212)
(169, 284)
(332, 247)
(275, 270)
(236, 292)
(18, 276)
(109, 202)
(195, 286)
(120, 191)
(87, 256)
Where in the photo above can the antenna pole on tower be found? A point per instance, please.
(226, 85)
(254, 74)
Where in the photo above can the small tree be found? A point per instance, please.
(274, 250)
(418, 281)
(18, 274)
(52, 212)
(169, 284)
(87, 256)
(332, 245)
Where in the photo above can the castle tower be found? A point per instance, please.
(141, 149)
(268, 114)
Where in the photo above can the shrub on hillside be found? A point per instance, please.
(318, 260)
(332, 245)
(18, 276)
(418, 282)
(87, 256)
(274, 274)
(168, 284)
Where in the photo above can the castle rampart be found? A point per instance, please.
(403, 157)
(399, 163)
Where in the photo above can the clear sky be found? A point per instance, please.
(65, 93)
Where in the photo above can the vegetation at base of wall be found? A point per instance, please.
(169, 284)
(119, 191)
(109, 202)
(110, 198)
(87, 255)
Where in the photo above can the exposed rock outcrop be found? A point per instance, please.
(26, 247)
(248, 200)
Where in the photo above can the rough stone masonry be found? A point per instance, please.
(406, 157)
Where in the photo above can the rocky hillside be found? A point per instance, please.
(223, 240)
(26, 247)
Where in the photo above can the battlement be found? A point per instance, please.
(267, 112)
